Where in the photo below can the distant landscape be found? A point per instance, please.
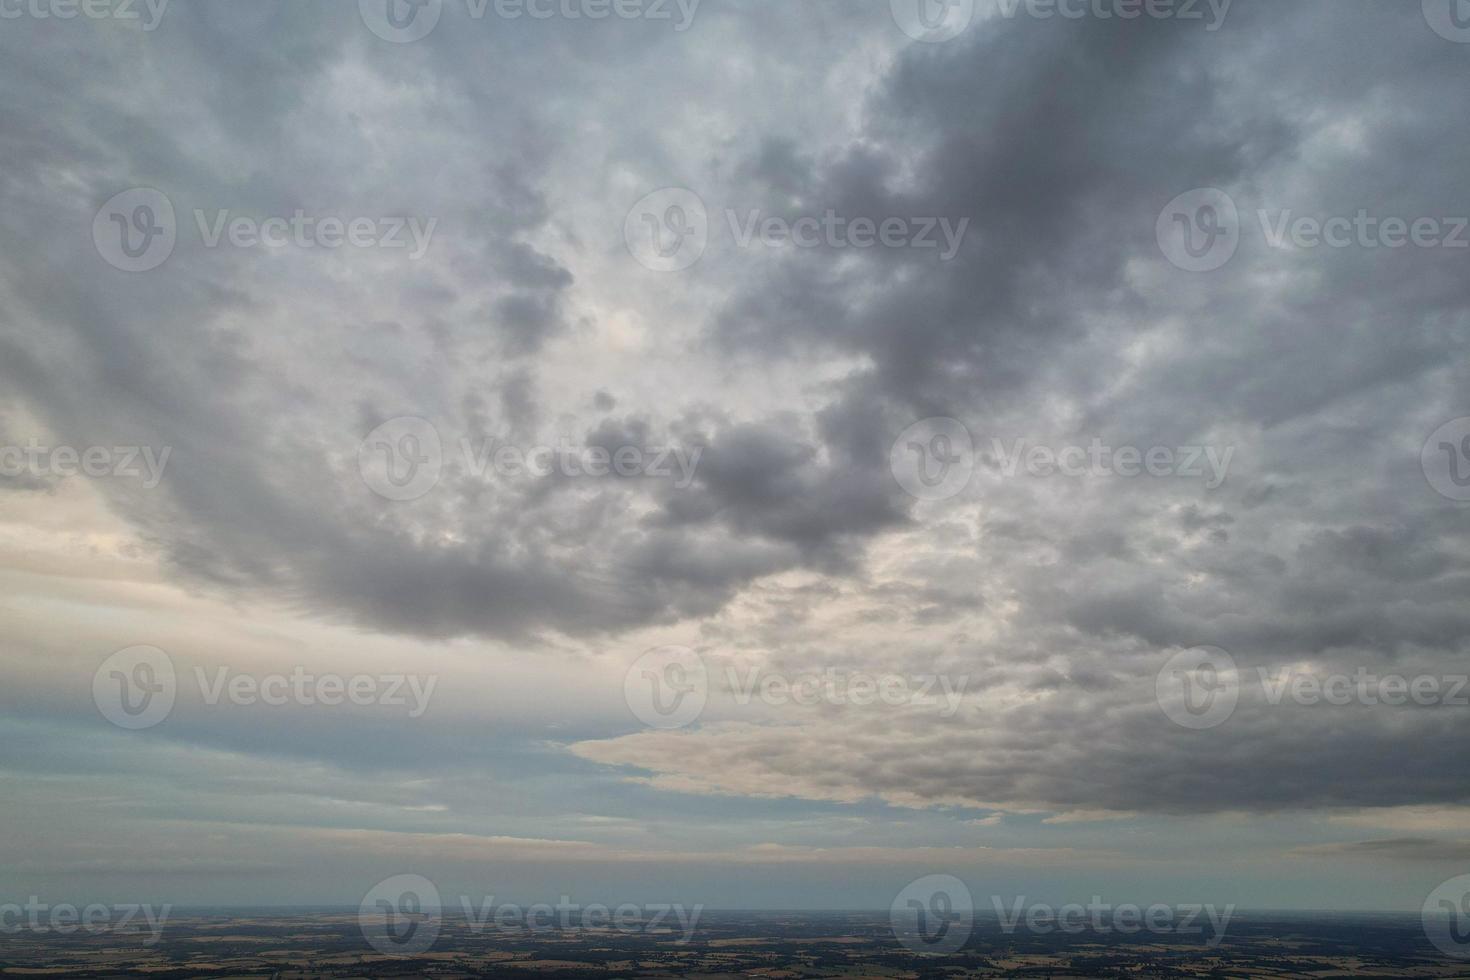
(301, 944)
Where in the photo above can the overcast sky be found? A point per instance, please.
(964, 346)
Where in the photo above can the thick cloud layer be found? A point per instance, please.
(774, 380)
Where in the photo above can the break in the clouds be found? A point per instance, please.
(365, 228)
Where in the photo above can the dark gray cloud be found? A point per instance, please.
(1057, 322)
(1396, 849)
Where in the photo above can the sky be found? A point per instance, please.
(743, 452)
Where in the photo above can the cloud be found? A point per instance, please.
(1058, 322)
(1395, 849)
